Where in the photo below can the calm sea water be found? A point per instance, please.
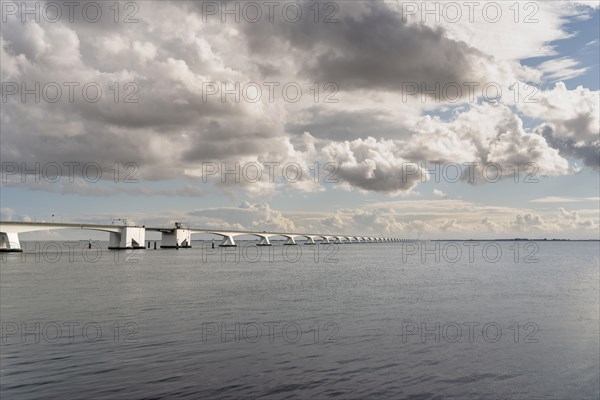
(357, 321)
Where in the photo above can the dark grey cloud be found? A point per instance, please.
(373, 49)
(345, 125)
(588, 153)
(228, 140)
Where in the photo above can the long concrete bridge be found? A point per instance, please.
(179, 236)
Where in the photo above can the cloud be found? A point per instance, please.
(484, 134)
(82, 187)
(340, 125)
(561, 199)
(564, 221)
(173, 128)
(563, 68)
(439, 193)
(472, 219)
(572, 114)
(352, 53)
(372, 165)
(537, 26)
(258, 216)
(572, 121)
(491, 226)
(7, 213)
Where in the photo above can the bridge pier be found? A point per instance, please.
(228, 241)
(290, 241)
(176, 239)
(310, 240)
(264, 241)
(129, 237)
(9, 242)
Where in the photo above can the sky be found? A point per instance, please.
(363, 118)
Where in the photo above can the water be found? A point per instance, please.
(162, 313)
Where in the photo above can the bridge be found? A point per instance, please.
(179, 236)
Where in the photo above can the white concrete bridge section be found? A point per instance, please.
(9, 241)
(264, 241)
(121, 237)
(179, 236)
(265, 238)
(174, 238)
(338, 240)
(128, 237)
(326, 239)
